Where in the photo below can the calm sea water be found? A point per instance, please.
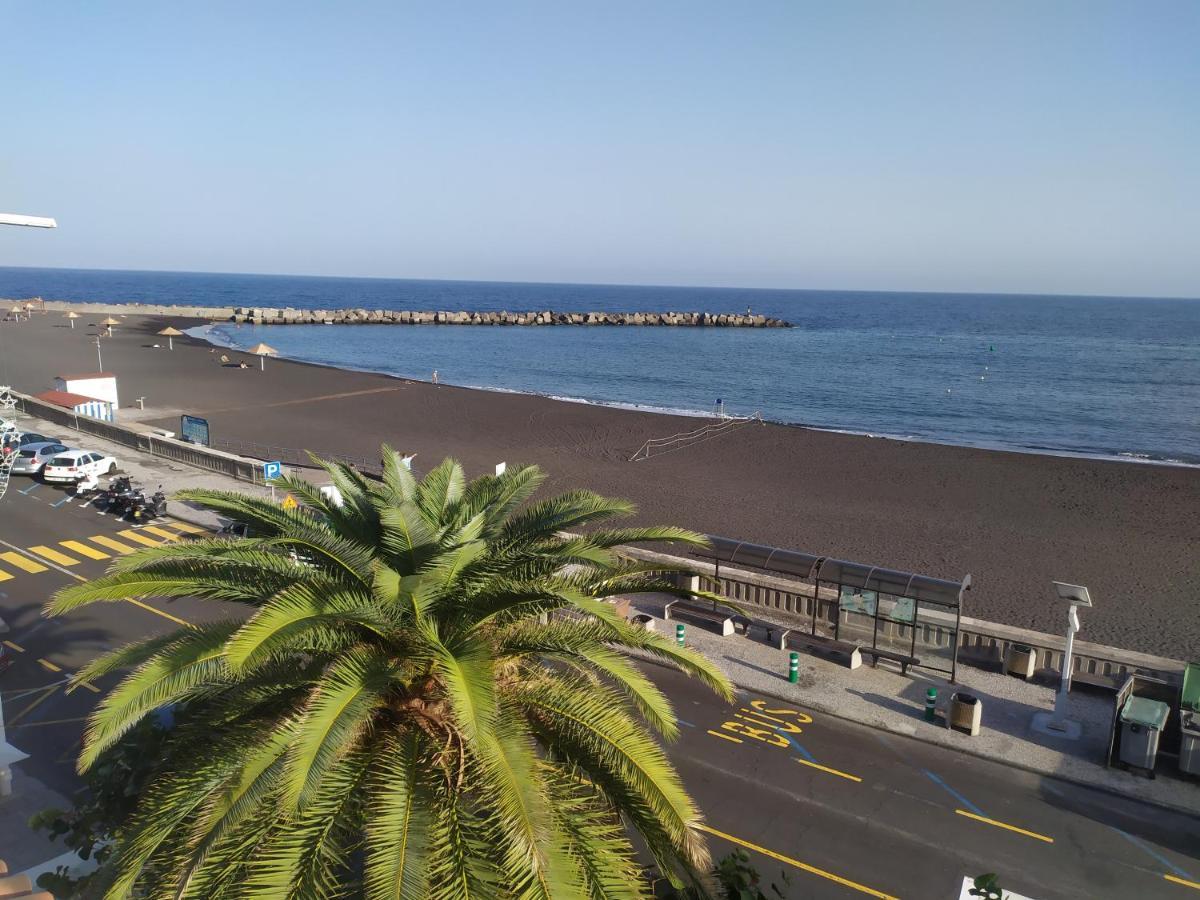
(1094, 375)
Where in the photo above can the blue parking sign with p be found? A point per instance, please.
(272, 470)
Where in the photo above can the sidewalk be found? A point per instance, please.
(883, 698)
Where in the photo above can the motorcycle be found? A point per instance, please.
(144, 509)
(106, 498)
(120, 496)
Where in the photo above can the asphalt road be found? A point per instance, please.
(845, 810)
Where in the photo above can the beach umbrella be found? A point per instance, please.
(109, 323)
(16, 311)
(72, 316)
(171, 334)
(262, 351)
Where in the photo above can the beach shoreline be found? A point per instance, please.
(1014, 521)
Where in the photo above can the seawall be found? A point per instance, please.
(257, 315)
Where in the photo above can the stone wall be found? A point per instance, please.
(264, 315)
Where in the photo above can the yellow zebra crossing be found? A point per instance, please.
(37, 559)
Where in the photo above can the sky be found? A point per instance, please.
(1006, 146)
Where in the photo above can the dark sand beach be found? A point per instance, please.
(1129, 531)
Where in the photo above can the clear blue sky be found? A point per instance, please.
(1009, 146)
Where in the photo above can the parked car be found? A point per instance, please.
(31, 457)
(74, 464)
(11, 443)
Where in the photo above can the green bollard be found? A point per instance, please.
(679, 634)
(794, 668)
(930, 703)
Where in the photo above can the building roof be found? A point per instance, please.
(86, 376)
(65, 399)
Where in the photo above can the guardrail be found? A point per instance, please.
(294, 456)
(146, 440)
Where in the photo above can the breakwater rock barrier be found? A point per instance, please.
(266, 315)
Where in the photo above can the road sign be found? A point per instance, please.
(289, 502)
(272, 470)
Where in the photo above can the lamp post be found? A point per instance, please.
(1057, 723)
(99, 359)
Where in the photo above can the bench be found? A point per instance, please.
(701, 615)
(902, 658)
(851, 653)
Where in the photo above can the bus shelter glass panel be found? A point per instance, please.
(895, 627)
(857, 615)
(937, 632)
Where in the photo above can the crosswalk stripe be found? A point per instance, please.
(111, 544)
(188, 528)
(138, 538)
(84, 550)
(22, 562)
(166, 535)
(54, 556)
(4, 576)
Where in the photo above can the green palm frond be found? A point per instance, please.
(424, 695)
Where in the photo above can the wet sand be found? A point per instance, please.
(1015, 521)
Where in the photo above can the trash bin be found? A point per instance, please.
(1189, 742)
(1019, 661)
(966, 713)
(1142, 722)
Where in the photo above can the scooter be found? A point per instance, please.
(121, 501)
(107, 498)
(146, 508)
(87, 488)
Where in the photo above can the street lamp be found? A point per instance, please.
(1057, 723)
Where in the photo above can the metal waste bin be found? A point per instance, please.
(1189, 742)
(1142, 722)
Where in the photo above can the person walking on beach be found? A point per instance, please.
(435, 381)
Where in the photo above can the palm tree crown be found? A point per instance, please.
(418, 692)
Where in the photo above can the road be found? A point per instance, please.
(845, 810)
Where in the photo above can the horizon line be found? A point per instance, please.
(616, 284)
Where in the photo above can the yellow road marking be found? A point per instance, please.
(4, 576)
(188, 528)
(84, 550)
(813, 765)
(46, 664)
(725, 736)
(1183, 881)
(11, 646)
(111, 544)
(131, 535)
(1006, 826)
(158, 612)
(162, 533)
(805, 867)
(34, 705)
(86, 684)
(22, 562)
(54, 556)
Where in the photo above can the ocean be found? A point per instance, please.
(1098, 376)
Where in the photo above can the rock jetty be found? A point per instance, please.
(268, 316)
(264, 315)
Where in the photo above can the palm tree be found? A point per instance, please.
(417, 692)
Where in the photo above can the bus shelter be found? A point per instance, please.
(904, 613)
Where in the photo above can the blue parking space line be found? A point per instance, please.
(66, 499)
(799, 749)
(1138, 842)
(685, 724)
(967, 804)
(30, 488)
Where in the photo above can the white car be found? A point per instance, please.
(74, 464)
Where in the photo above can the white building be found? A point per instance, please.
(96, 385)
